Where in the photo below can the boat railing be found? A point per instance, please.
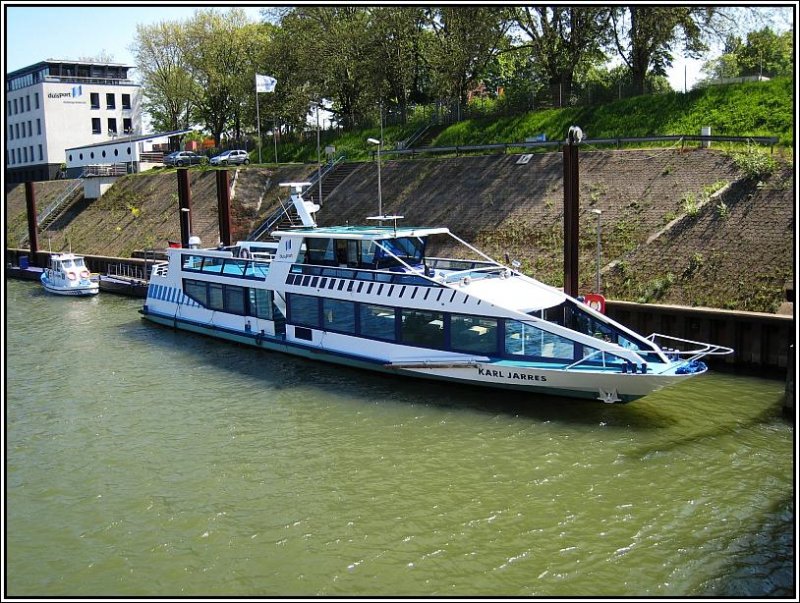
(474, 273)
(704, 349)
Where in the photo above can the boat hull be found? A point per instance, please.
(539, 380)
(78, 291)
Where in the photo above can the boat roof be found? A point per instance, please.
(370, 233)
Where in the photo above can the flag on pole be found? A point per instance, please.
(265, 83)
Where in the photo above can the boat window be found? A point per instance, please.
(368, 249)
(192, 262)
(529, 341)
(320, 251)
(422, 328)
(234, 267)
(79, 262)
(213, 264)
(573, 316)
(377, 322)
(216, 301)
(196, 290)
(339, 315)
(261, 303)
(304, 310)
(234, 299)
(67, 264)
(410, 250)
(473, 334)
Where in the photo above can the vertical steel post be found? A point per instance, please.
(224, 206)
(185, 204)
(571, 207)
(33, 227)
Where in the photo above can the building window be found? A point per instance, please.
(23, 128)
(32, 157)
(112, 125)
(10, 132)
(38, 127)
(25, 154)
(15, 106)
(110, 103)
(95, 100)
(28, 102)
(30, 128)
(96, 127)
(41, 155)
(36, 99)
(126, 101)
(127, 125)
(16, 130)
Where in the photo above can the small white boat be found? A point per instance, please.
(67, 274)
(371, 297)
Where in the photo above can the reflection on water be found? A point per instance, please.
(143, 461)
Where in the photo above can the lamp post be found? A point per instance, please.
(380, 146)
(598, 213)
(319, 160)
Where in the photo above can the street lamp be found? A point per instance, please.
(380, 146)
(598, 213)
(319, 160)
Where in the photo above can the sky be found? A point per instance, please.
(38, 32)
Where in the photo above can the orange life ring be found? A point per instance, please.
(71, 276)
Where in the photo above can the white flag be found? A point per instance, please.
(265, 83)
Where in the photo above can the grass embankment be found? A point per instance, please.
(747, 109)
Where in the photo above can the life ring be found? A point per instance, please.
(84, 274)
(71, 276)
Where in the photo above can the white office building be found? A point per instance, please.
(56, 105)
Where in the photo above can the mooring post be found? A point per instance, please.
(571, 209)
(224, 206)
(185, 204)
(33, 227)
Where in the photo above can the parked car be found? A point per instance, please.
(182, 158)
(234, 157)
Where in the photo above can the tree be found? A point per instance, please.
(170, 93)
(397, 63)
(466, 41)
(221, 56)
(645, 35)
(763, 53)
(560, 38)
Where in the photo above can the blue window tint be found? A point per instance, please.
(304, 310)
(339, 315)
(377, 322)
(473, 334)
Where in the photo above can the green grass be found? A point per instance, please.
(748, 109)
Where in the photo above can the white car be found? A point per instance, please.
(234, 157)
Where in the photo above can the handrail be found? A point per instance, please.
(58, 202)
(618, 141)
(279, 213)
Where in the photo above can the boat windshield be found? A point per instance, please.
(66, 264)
(79, 262)
(411, 250)
(569, 314)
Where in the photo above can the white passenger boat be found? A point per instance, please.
(67, 274)
(371, 297)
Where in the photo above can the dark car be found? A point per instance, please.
(182, 158)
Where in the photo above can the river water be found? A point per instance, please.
(144, 461)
